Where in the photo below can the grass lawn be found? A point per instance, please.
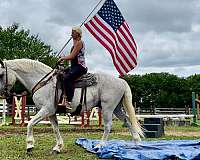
(13, 140)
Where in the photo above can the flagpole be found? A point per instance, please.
(80, 26)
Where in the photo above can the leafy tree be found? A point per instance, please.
(18, 43)
(136, 85)
(194, 83)
(160, 90)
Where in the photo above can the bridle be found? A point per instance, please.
(5, 92)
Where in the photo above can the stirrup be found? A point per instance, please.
(64, 100)
(65, 103)
(68, 105)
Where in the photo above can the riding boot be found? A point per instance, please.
(65, 103)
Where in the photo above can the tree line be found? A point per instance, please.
(163, 90)
(154, 89)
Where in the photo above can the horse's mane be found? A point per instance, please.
(27, 65)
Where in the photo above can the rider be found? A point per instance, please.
(78, 67)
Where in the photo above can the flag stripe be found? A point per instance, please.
(125, 35)
(125, 47)
(109, 27)
(97, 19)
(127, 30)
(121, 50)
(103, 34)
(121, 70)
(105, 45)
(109, 42)
(121, 55)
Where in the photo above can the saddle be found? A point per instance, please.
(83, 82)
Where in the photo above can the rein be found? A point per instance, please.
(42, 83)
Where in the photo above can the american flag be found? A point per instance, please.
(109, 27)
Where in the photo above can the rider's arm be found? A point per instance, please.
(76, 49)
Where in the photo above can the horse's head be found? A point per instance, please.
(2, 75)
(7, 77)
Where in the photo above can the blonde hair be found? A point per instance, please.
(78, 30)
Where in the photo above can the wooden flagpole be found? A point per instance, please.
(80, 26)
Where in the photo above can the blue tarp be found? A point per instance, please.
(146, 150)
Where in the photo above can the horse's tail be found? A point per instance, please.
(127, 103)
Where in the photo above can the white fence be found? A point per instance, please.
(158, 111)
(3, 111)
(33, 109)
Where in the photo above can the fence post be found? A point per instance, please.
(23, 110)
(198, 116)
(194, 109)
(4, 111)
(18, 109)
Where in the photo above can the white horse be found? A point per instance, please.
(114, 95)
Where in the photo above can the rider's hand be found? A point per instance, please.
(60, 60)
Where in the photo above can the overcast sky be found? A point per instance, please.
(167, 32)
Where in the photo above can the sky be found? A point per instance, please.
(167, 32)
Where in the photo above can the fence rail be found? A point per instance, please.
(8, 109)
(156, 111)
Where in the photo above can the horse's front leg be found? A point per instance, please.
(59, 141)
(30, 139)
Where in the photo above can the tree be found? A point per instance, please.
(136, 85)
(161, 90)
(18, 43)
(194, 83)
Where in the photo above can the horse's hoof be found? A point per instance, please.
(54, 152)
(29, 151)
(98, 146)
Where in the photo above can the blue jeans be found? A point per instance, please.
(69, 78)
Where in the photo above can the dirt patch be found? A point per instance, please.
(22, 131)
(178, 133)
(125, 132)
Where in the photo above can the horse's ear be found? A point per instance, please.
(2, 64)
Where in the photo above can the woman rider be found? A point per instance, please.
(78, 67)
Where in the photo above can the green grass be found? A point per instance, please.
(13, 141)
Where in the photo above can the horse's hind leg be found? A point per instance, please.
(59, 140)
(120, 114)
(37, 118)
(107, 118)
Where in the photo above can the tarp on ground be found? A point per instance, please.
(146, 150)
